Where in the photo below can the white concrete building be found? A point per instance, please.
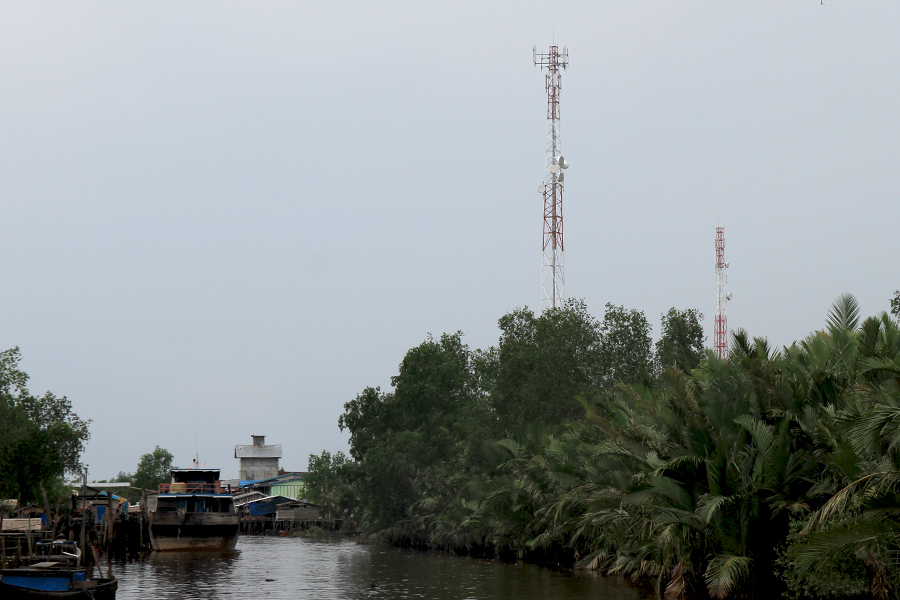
(257, 461)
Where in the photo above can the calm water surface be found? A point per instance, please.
(271, 567)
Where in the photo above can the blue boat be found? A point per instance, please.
(51, 580)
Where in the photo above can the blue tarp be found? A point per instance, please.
(122, 502)
(45, 584)
(267, 506)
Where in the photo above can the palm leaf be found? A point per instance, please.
(820, 545)
(844, 313)
(852, 495)
(708, 506)
(762, 435)
(726, 572)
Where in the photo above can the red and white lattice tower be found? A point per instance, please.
(720, 336)
(553, 281)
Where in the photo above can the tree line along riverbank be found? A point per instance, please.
(577, 442)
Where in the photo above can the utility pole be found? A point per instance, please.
(553, 281)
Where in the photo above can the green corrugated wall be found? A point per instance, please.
(292, 489)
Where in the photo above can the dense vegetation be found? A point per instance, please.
(576, 441)
(153, 468)
(41, 438)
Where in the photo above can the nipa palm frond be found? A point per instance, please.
(725, 573)
(844, 313)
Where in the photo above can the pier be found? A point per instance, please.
(17, 548)
(272, 525)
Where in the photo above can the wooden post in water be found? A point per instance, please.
(111, 506)
(46, 502)
(96, 560)
(143, 510)
(84, 555)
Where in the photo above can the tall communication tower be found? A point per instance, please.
(720, 343)
(553, 281)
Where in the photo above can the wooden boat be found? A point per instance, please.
(60, 551)
(50, 580)
(194, 512)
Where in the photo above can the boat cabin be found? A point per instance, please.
(194, 475)
(195, 491)
(195, 504)
(192, 481)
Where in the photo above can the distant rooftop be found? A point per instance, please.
(115, 484)
(283, 478)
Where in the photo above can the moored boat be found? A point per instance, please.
(50, 580)
(61, 551)
(194, 512)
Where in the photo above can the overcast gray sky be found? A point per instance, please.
(230, 218)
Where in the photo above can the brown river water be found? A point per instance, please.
(272, 567)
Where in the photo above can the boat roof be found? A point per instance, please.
(194, 475)
(216, 471)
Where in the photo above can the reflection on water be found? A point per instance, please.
(270, 567)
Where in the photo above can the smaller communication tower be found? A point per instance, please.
(720, 337)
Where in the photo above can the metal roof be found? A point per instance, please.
(116, 484)
(251, 451)
(244, 499)
(283, 478)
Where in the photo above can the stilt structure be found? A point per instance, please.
(720, 337)
(553, 281)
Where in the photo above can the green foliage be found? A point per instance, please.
(123, 477)
(681, 340)
(688, 479)
(625, 346)
(329, 483)
(397, 435)
(153, 469)
(541, 366)
(840, 577)
(41, 438)
(895, 304)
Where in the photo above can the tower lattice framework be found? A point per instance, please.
(553, 281)
(720, 337)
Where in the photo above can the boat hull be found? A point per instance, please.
(97, 589)
(193, 531)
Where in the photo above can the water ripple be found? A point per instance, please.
(295, 568)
